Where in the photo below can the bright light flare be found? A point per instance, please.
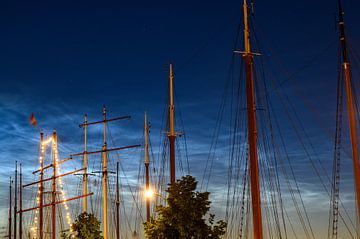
(149, 193)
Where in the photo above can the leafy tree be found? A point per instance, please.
(184, 217)
(86, 226)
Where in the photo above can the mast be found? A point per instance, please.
(41, 186)
(171, 128)
(20, 204)
(103, 152)
(117, 202)
(15, 200)
(85, 164)
(10, 198)
(104, 161)
(53, 184)
(350, 106)
(147, 177)
(252, 130)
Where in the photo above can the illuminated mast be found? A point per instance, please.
(248, 58)
(147, 177)
(104, 164)
(171, 128)
(103, 152)
(53, 184)
(15, 200)
(41, 186)
(10, 207)
(20, 204)
(350, 107)
(85, 165)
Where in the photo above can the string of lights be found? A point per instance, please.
(54, 148)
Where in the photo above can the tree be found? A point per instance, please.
(86, 226)
(184, 216)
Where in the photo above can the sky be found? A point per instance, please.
(60, 60)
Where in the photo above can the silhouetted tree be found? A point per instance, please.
(86, 226)
(184, 217)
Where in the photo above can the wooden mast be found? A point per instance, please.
(104, 172)
(53, 187)
(103, 152)
(85, 165)
(147, 177)
(41, 186)
(20, 204)
(117, 202)
(15, 200)
(171, 127)
(350, 107)
(10, 207)
(252, 130)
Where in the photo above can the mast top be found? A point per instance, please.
(146, 138)
(247, 50)
(342, 33)
(171, 102)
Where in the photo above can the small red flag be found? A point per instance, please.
(32, 120)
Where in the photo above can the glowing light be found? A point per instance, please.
(62, 192)
(49, 140)
(57, 168)
(149, 193)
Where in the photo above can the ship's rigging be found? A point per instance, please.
(264, 192)
(286, 213)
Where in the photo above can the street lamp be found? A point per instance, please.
(149, 193)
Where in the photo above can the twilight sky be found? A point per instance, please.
(61, 60)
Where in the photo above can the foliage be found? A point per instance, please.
(85, 226)
(184, 216)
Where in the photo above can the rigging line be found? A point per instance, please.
(162, 147)
(179, 157)
(336, 158)
(291, 225)
(322, 182)
(267, 180)
(295, 182)
(276, 89)
(127, 220)
(214, 138)
(267, 100)
(287, 179)
(266, 147)
(321, 120)
(215, 135)
(245, 178)
(248, 211)
(234, 143)
(326, 174)
(126, 178)
(313, 149)
(183, 134)
(235, 200)
(137, 196)
(219, 28)
(235, 132)
(308, 64)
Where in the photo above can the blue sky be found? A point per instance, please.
(61, 60)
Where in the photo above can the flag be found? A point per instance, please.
(33, 121)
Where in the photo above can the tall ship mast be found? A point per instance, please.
(171, 134)
(350, 107)
(248, 57)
